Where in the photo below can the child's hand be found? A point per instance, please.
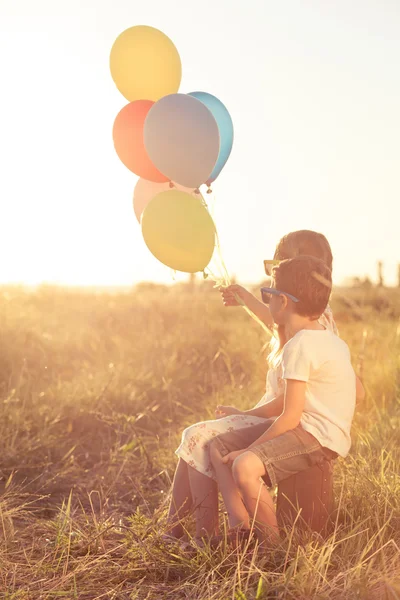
(229, 458)
(225, 411)
(231, 294)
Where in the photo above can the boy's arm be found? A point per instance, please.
(230, 297)
(289, 419)
(294, 400)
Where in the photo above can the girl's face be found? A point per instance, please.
(269, 265)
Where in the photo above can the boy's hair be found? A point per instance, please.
(304, 242)
(307, 278)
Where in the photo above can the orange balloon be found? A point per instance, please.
(129, 142)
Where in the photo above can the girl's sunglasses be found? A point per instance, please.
(267, 293)
(269, 265)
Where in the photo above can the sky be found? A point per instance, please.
(313, 88)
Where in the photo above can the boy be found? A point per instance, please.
(319, 402)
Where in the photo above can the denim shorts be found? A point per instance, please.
(288, 454)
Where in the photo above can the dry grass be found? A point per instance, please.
(94, 391)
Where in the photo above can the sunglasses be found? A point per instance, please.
(267, 293)
(269, 265)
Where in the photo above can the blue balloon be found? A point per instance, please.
(225, 126)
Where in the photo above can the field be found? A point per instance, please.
(95, 389)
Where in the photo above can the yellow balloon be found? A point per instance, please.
(179, 231)
(144, 64)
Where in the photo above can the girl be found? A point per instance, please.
(194, 486)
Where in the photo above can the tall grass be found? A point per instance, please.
(94, 392)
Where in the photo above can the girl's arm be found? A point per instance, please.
(230, 297)
(360, 391)
(270, 409)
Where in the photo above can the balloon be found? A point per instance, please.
(129, 143)
(179, 231)
(182, 139)
(146, 190)
(144, 64)
(225, 127)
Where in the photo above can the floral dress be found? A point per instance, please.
(195, 444)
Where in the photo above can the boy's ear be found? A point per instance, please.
(284, 301)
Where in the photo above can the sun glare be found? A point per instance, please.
(315, 145)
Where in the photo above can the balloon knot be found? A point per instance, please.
(209, 191)
(205, 275)
(171, 184)
(197, 191)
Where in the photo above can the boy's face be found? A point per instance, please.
(278, 306)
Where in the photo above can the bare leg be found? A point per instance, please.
(204, 492)
(181, 501)
(247, 470)
(237, 513)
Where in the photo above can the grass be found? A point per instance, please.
(95, 389)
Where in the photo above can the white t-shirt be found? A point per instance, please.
(322, 359)
(274, 383)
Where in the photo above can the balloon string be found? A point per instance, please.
(211, 203)
(225, 280)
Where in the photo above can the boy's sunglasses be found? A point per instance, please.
(269, 265)
(267, 292)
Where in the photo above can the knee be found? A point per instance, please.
(188, 433)
(246, 469)
(215, 454)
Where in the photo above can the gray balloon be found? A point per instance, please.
(181, 137)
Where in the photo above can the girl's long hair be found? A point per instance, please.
(291, 245)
